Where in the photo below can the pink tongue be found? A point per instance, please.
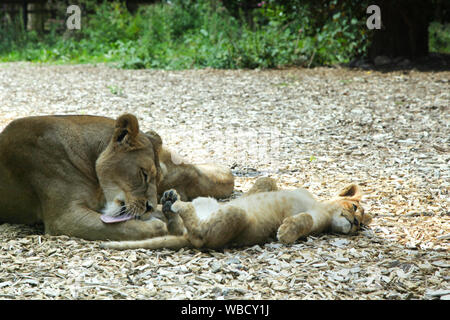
(119, 218)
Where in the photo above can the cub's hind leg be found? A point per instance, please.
(224, 226)
(294, 227)
(262, 184)
(216, 231)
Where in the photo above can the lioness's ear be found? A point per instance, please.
(126, 129)
(352, 191)
(156, 141)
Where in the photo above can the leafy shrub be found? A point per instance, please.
(439, 40)
(181, 34)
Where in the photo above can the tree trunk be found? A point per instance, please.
(404, 30)
(37, 17)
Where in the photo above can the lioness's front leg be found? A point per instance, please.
(294, 227)
(82, 222)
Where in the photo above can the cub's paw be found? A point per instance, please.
(168, 198)
(288, 231)
(295, 227)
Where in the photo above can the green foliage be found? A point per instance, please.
(196, 34)
(439, 37)
(180, 34)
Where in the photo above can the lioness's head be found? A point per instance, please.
(349, 216)
(128, 169)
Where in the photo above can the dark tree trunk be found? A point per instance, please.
(404, 30)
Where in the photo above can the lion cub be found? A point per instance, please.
(254, 218)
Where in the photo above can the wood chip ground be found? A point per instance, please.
(314, 128)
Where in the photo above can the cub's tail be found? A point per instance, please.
(169, 242)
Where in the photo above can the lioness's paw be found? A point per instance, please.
(168, 198)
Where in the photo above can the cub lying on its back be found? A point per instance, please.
(254, 218)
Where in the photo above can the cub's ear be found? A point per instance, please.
(351, 191)
(366, 219)
(126, 130)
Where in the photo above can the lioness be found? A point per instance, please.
(254, 218)
(64, 170)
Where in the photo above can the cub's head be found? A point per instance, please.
(349, 215)
(128, 169)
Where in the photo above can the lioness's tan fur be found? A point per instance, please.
(64, 170)
(255, 217)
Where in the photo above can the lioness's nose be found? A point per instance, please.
(148, 206)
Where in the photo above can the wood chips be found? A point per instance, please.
(314, 128)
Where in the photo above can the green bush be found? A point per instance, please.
(195, 34)
(439, 40)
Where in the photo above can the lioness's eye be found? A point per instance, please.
(144, 174)
(355, 207)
